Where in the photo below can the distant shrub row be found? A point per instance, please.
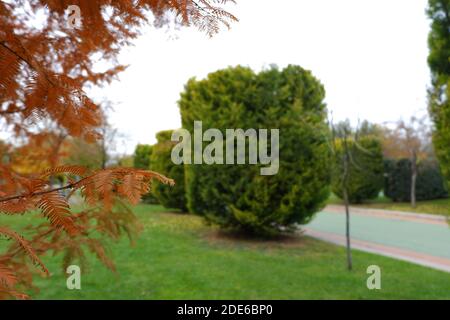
(368, 177)
(430, 183)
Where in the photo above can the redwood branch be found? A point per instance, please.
(39, 193)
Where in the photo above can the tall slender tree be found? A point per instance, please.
(439, 61)
(341, 135)
(347, 146)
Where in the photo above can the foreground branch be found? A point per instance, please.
(34, 194)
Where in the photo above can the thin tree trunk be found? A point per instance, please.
(347, 206)
(413, 179)
(104, 153)
(347, 230)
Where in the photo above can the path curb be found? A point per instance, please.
(399, 215)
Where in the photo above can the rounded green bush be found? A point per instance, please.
(365, 177)
(237, 196)
(168, 196)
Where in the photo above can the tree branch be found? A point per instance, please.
(34, 194)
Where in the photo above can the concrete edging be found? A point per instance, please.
(411, 216)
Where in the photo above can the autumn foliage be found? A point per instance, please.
(45, 66)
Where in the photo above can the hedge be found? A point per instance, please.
(430, 183)
(238, 196)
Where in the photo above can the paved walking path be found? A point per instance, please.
(417, 238)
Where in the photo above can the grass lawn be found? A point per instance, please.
(178, 257)
(439, 206)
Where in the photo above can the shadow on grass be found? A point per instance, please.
(240, 238)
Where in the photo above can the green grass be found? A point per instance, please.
(178, 257)
(439, 206)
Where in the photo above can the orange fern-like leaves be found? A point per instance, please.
(74, 170)
(56, 209)
(24, 246)
(8, 280)
(7, 277)
(16, 206)
(9, 69)
(128, 183)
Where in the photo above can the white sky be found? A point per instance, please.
(369, 54)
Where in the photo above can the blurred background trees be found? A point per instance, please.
(141, 156)
(410, 143)
(410, 172)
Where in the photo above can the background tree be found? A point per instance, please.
(107, 143)
(364, 176)
(365, 129)
(237, 196)
(169, 196)
(438, 60)
(125, 161)
(79, 152)
(141, 157)
(368, 129)
(43, 73)
(411, 140)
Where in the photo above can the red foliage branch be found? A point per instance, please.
(42, 75)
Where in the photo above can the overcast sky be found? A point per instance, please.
(369, 54)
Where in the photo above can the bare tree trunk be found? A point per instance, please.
(413, 179)
(104, 151)
(347, 208)
(103, 164)
(347, 230)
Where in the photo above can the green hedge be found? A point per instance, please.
(238, 196)
(365, 180)
(430, 183)
(168, 196)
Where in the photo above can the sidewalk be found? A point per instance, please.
(418, 238)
